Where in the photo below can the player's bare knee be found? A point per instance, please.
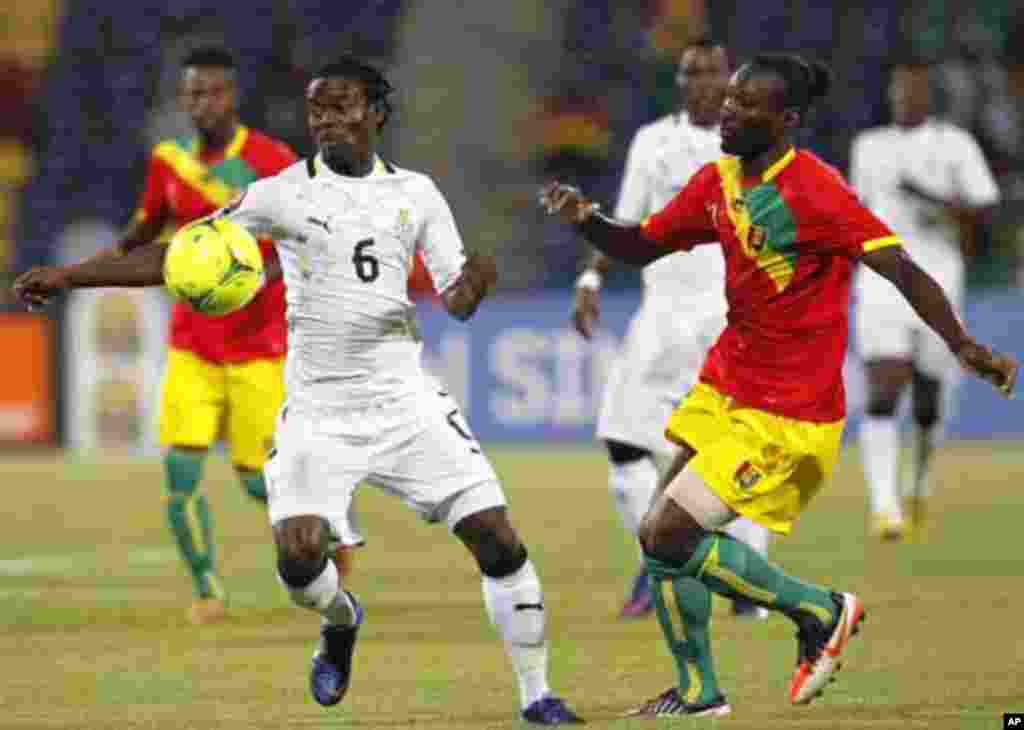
(301, 548)
(669, 533)
(492, 540)
(887, 379)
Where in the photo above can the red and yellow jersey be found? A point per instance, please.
(184, 183)
(791, 239)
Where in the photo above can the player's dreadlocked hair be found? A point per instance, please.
(377, 86)
(806, 81)
(210, 57)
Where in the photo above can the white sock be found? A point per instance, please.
(914, 481)
(515, 606)
(633, 485)
(749, 532)
(325, 596)
(879, 453)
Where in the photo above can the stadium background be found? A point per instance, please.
(493, 98)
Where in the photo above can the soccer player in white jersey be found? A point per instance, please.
(681, 316)
(359, 406)
(929, 181)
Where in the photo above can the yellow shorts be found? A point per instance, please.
(202, 400)
(763, 466)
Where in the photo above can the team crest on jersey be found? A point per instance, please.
(748, 475)
(756, 238)
(404, 227)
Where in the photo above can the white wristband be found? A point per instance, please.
(590, 279)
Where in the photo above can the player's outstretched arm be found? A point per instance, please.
(931, 304)
(616, 239)
(141, 267)
(479, 275)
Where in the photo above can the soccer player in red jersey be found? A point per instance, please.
(761, 431)
(224, 375)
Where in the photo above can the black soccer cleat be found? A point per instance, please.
(671, 704)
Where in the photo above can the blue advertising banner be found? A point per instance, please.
(524, 375)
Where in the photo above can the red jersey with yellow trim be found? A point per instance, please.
(791, 239)
(185, 182)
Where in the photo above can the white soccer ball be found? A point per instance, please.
(214, 265)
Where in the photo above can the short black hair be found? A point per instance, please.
(210, 57)
(377, 85)
(806, 81)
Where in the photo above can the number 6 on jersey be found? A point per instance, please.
(367, 265)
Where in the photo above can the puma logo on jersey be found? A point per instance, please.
(318, 222)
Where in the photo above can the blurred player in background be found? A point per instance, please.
(760, 434)
(224, 375)
(928, 179)
(348, 225)
(682, 313)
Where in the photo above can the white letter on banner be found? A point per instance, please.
(523, 392)
(571, 401)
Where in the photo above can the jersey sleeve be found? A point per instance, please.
(687, 219)
(974, 180)
(439, 242)
(255, 209)
(836, 222)
(153, 205)
(634, 195)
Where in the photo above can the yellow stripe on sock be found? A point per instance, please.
(696, 687)
(668, 597)
(216, 589)
(195, 526)
(822, 614)
(712, 567)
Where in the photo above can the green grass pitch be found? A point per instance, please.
(93, 632)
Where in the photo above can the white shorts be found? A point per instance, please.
(662, 354)
(417, 447)
(888, 328)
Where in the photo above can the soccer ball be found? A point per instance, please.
(214, 265)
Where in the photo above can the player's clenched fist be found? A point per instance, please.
(37, 285)
(568, 202)
(480, 273)
(991, 366)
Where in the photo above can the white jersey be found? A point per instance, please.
(683, 308)
(347, 246)
(937, 157)
(662, 158)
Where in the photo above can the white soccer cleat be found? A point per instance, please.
(820, 650)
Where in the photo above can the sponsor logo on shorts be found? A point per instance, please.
(748, 475)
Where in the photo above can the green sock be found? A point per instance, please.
(188, 514)
(254, 484)
(688, 638)
(733, 569)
